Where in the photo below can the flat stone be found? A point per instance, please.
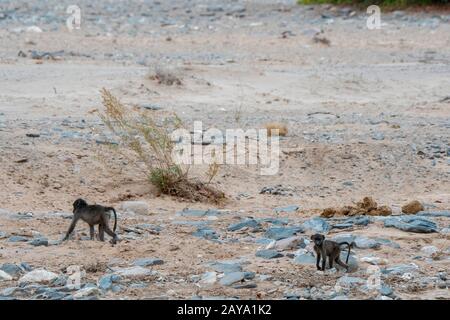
(429, 250)
(366, 243)
(291, 243)
(226, 267)
(38, 276)
(138, 207)
(401, 269)
(106, 282)
(5, 276)
(432, 213)
(85, 292)
(305, 259)
(286, 209)
(245, 223)
(133, 272)
(278, 233)
(411, 224)
(18, 239)
(145, 262)
(231, 278)
(39, 242)
(3, 235)
(245, 285)
(268, 254)
(350, 282)
(11, 269)
(206, 233)
(208, 278)
(316, 224)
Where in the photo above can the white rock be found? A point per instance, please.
(208, 278)
(288, 243)
(33, 29)
(4, 276)
(38, 276)
(85, 292)
(134, 272)
(429, 250)
(138, 207)
(374, 260)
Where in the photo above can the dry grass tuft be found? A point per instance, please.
(151, 146)
(165, 75)
(273, 126)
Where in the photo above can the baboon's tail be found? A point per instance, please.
(350, 245)
(115, 217)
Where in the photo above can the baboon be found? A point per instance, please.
(92, 215)
(331, 249)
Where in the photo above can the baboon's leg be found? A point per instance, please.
(71, 227)
(112, 234)
(330, 262)
(342, 264)
(91, 231)
(101, 232)
(324, 261)
(318, 261)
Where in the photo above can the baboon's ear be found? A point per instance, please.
(312, 237)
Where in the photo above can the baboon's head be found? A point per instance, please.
(318, 239)
(78, 204)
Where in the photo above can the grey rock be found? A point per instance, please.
(278, 233)
(278, 190)
(26, 267)
(275, 221)
(133, 272)
(11, 269)
(245, 285)
(145, 262)
(268, 254)
(411, 224)
(442, 213)
(149, 106)
(5, 276)
(231, 278)
(317, 224)
(38, 276)
(350, 282)
(366, 243)
(286, 209)
(206, 233)
(377, 136)
(387, 242)
(385, 290)
(137, 207)
(245, 223)
(289, 243)
(226, 267)
(3, 235)
(18, 239)
(106, 282)
(401, 269)
(39, 242)
(305, 259)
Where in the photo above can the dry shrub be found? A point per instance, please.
(165, 75)
(367, 206)
(272, 126)
(149, 141)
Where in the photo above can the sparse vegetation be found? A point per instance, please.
(273, 126)
(151, 147)
(165, 75)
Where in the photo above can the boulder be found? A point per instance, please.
(38, 276)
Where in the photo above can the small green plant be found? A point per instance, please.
(149, 141)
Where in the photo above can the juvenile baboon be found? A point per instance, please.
(331, 249)
(93, 215)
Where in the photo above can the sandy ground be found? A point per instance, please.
(367, 116)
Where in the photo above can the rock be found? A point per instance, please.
(39, 242)
(38, 276)
(442, 213)
(145, 262)
(286, 209)
(226, 267)
(385, 290)
(411, 224)
(278, 233)
(305, 259)
(247, 285)
(429, 251)
(401, 269)
(268, 254)
(5, 276)
(3, 235)
(291, 243)
(208, 278)
(18, 239)
(231, 278)
(345, 237)
(412, 207)
(149, 106)
(133, 272)
(85, 292)
(366, 243)
(207, 233)
(374, 260)
(106, 282)
(348, 282)
(11, 269)
(317, 224)
(197, 213)
(137, 207)
(387, 242)
(377, 136)
(275, 221)
(352, 263)
(245, 223)
(445, 231)
(278, 190)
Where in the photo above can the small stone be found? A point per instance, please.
(133, 272)
(85, 292)
(317, 224)
(305, 259)
(137, 207)
(401, 269)
(39, 242)
(38, 276)
(18, 239)
(245, 223)
(268, 254)
(291, 243)
(197, 213)
(5, 276)
(412, 207)
(11, 269)
(429, 251)
(231, 278)
(226, 267)
(286, 209)
(247, 285)
(208, 278)
(106, 282)
(145, 262)
(278, 233)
